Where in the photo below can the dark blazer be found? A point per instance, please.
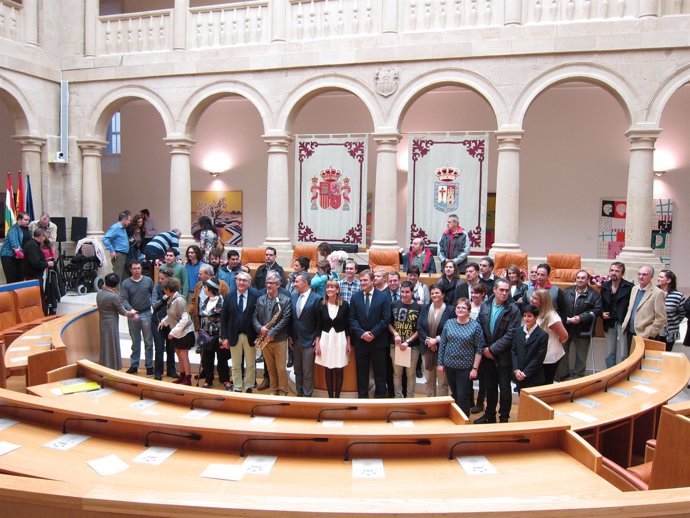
(34, 261)
(528, 355)
(615, 304)
(429, 262)
(376, 320)
(304, 329)
(341, 322)
(423, 324)
(500, 341)
(232, 321)
(587, 307)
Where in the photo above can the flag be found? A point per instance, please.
(20, 206)
(29, 199)
(10, 217)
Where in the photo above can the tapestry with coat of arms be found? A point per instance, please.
(330, 193)
(448, 174)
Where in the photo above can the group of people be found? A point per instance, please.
(28, 248)
(482, 327)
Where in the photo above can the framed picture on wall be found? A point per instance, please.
(225, 210)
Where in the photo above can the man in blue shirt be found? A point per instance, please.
(116, 243)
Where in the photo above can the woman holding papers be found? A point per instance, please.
(459, 353)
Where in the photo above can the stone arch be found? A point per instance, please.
(663, 94)
(206, 95)
(444, 77)
(22, 110)
(312, 87)
(105, 107)
(621, 90)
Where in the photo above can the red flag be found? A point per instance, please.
(21, 205)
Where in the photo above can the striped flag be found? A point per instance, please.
(10, 215)
(29, 199)
(20, 206)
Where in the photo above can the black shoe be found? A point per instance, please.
(158, 377)
(172, 374)
(503, 420)
(132, 370)
(249, 391)
(477, 409)
(149, 373)
(485, 420)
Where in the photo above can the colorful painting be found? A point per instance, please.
(225, 210)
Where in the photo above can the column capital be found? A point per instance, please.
(642, 138)
(28, 142)
(277, 140)
(92, 147)
(386, 137)
(509, 136)
(179, 145)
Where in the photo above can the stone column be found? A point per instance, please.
(389, 18)
(31, 17)
(513, 12)
(31, 166)
(279, 14)
(180, 185)
(507, 192)
(277, 191)
(638, 221)
(180, 13)
(91, 13)
(386, 192)
(91, 186)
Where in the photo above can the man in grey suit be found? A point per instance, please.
(304, 305)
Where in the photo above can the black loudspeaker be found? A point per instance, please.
(78, 228)
(61, 228)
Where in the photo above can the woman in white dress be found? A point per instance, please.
(550, 322)
(332, 347)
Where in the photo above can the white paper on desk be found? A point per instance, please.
(6, 447)
(675, 355)
(332, 424)
(149, 412)
(368, 468)
(640, 379)
(403, 423)
(583, 417)
(224, 472)
(653, 358)
(155, 455)
(403, 358)
(650, 368)
(108, 465)
(19, 359)
(21, 348)
(100, 392)
(73, 381)
(259, 464)
(476, 465)
(43, 344)
(36, 336)
(196, 414)
(66, 441)
(262, 419)
(646, 390)
(144, 403)
(56, 391)
(6, 422)
(587, 402)
(619, 392)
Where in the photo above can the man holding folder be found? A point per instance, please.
(405, 347)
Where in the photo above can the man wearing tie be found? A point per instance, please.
(305, 303)
(370, 314)
(646, 314)
(237, 332)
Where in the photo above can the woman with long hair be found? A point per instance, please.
(300, 264)
(675, 307)
(208, 238)
(448, 281)
(518, 289)
(332, 346)
(322, 275)
(181, 334)
(136, 233)
(432, 318)
(550, 322)
(192, 266)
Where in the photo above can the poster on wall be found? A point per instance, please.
(612, 228)
(448, 174)
(330, 193)
(225, 210)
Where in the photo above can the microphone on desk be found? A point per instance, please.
(43, 410)
(564, 393)
(112, 380)
(572, 395)
(191, 405)
(335, 409)
(521, 440)
(141, 394)
(91, 419)
(251, 413)
(417, 442)
(413, 412)
(261, 439)
(606, 387)
(190, 436)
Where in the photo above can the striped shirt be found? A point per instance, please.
(675, 312)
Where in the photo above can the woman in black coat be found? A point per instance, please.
(529, 350)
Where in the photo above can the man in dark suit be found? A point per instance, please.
(237, 332)
(305, 308)
(370, 313)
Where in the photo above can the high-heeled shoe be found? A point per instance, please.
(187, 380)
(180, 378)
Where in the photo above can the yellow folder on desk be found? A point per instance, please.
(80, 387)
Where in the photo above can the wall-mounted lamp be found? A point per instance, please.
(216, 163)
(663, 161)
